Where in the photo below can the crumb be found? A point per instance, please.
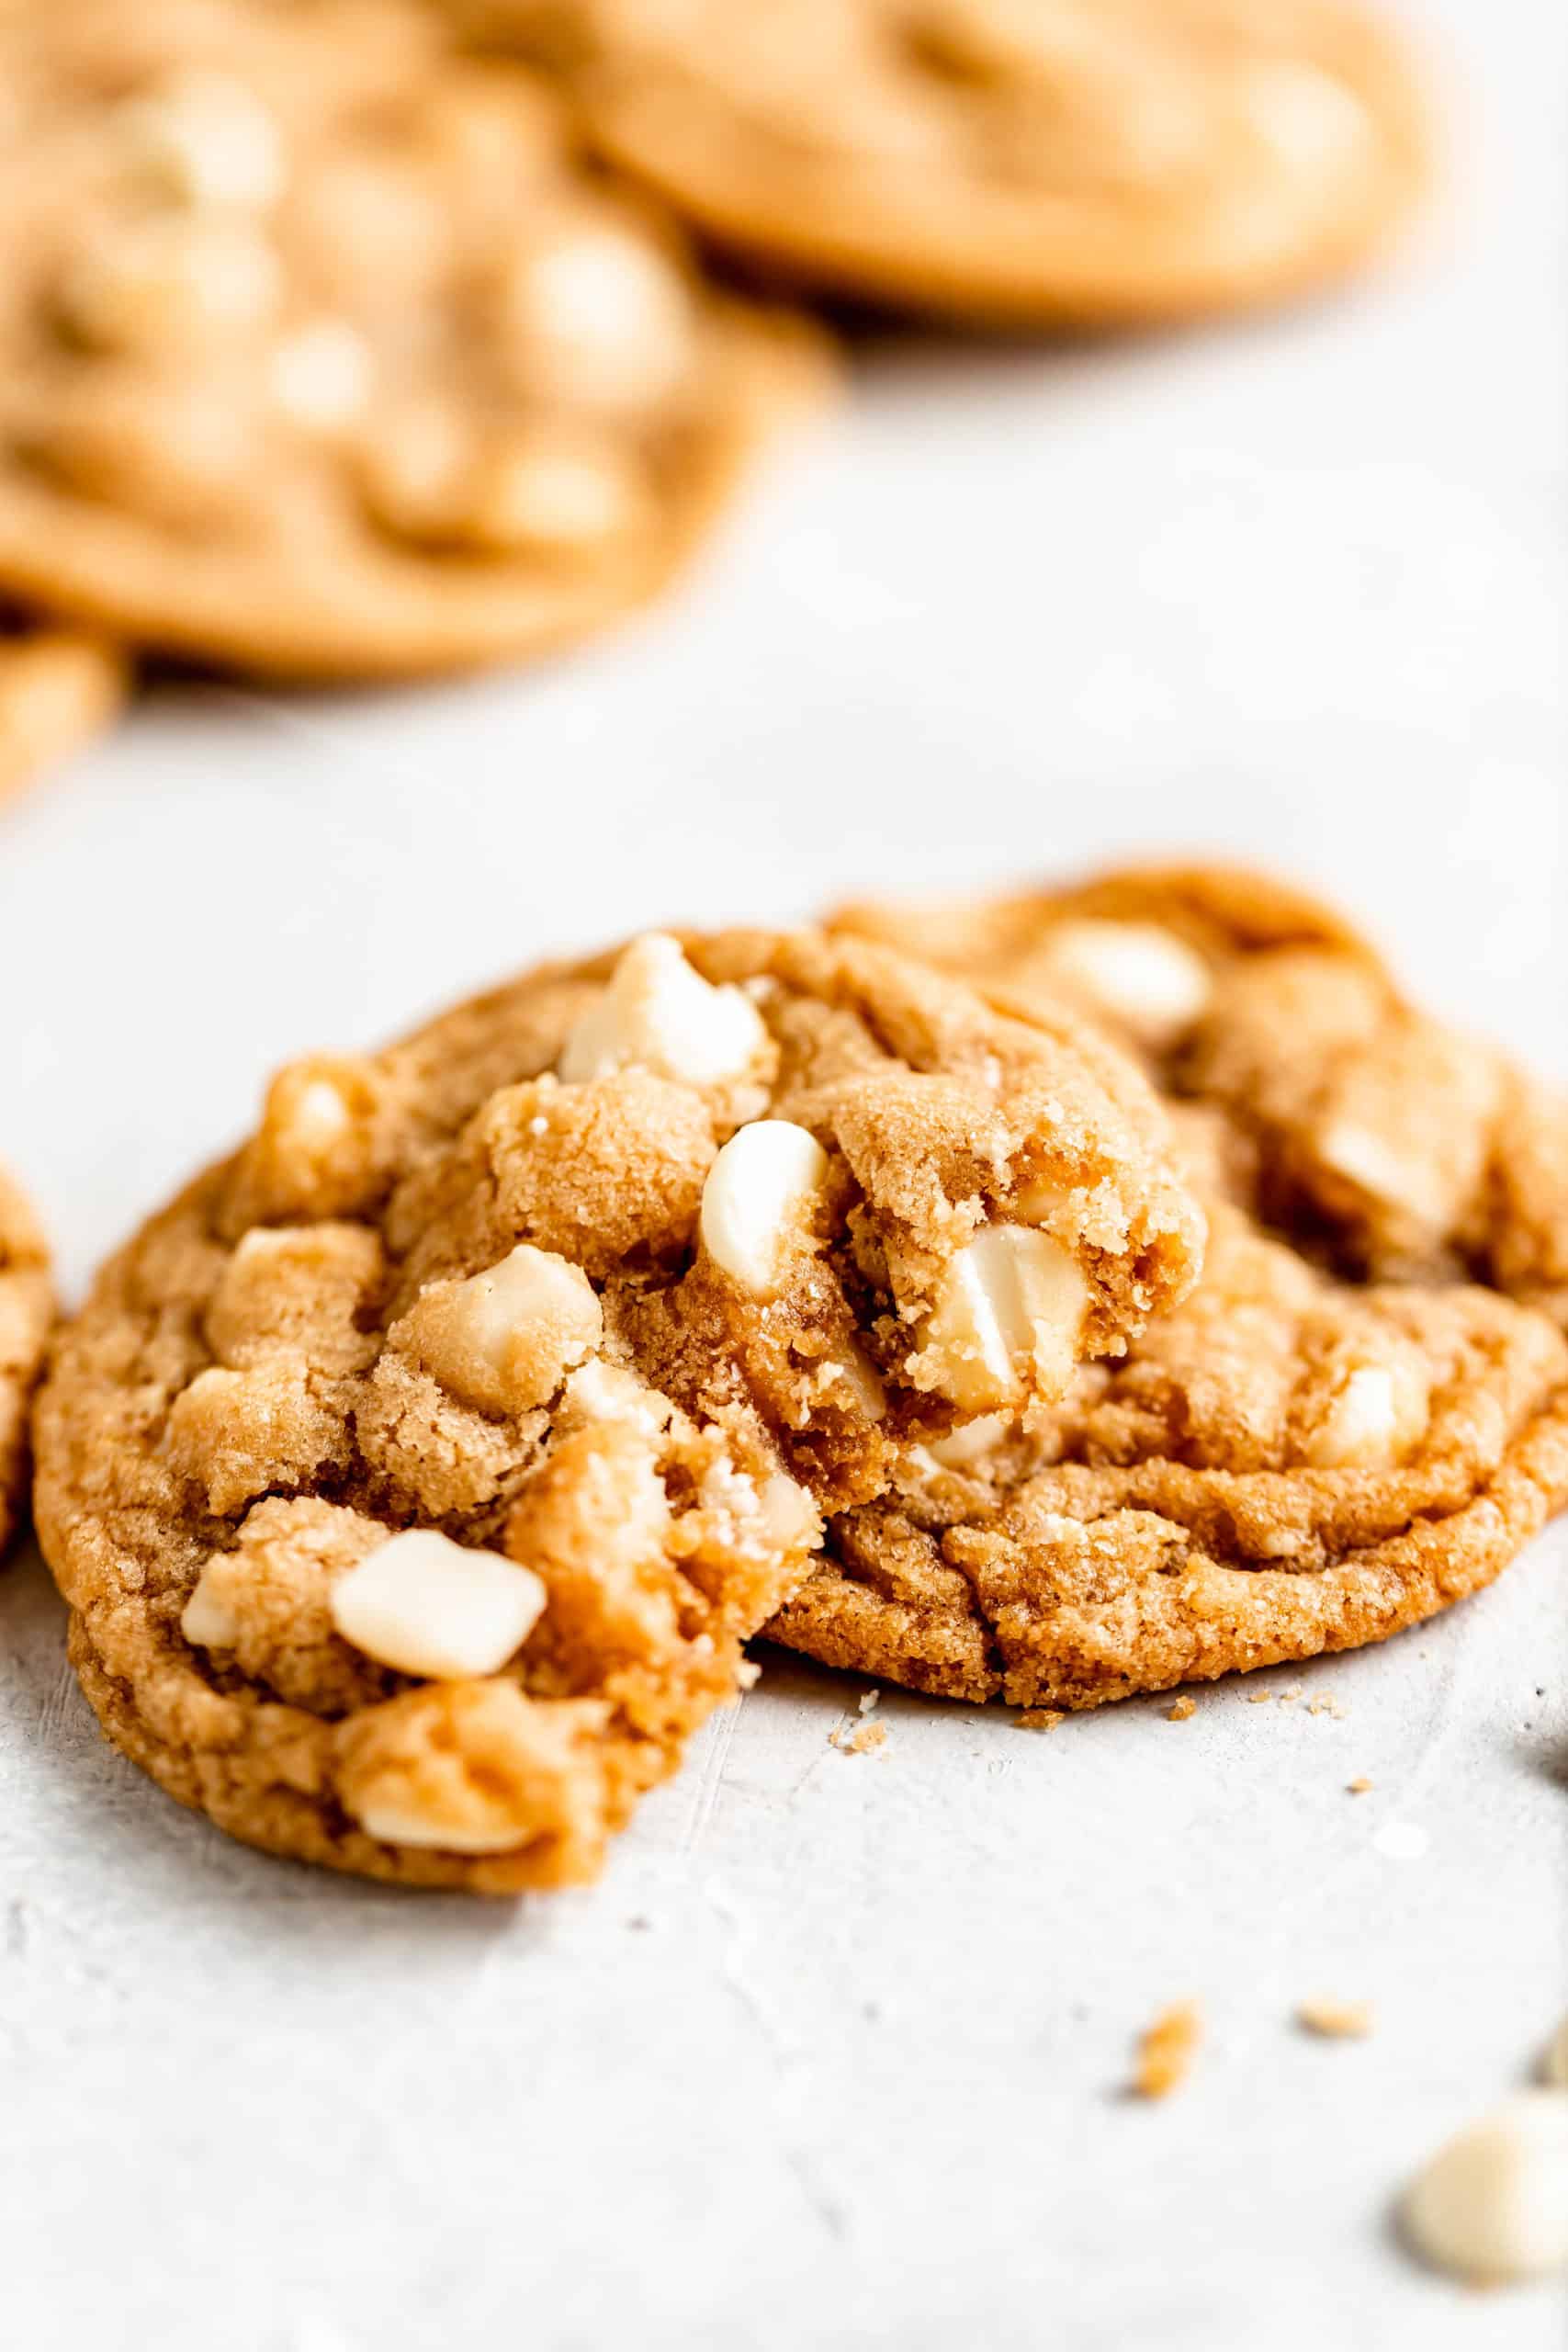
(863, 1740)
(1167, 2049)
(748, 1674)
(1040, 1718)
(1359, 1786)
(1179, 1709)
(1259, 1698)
(1328, 1706)
(869, 1701)
(1336, 2021)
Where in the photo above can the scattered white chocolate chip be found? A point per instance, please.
(1491, 2205)
(602, 316)
(1012, 1305)
(203, 138)
(1141, 974)
(1372, 1420)
(657, 1013)
(505, 1339)
(756, 1199)
(321, 374)
(1554, 2063)
(426, 1605)
(206, 1620)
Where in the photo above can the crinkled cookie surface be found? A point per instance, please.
(1390, 1144)
(416, 1478)
(1285, 1465)
(1006, 160)
(26, 1310)
(325, 352)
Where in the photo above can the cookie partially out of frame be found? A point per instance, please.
(1388, 1143)
(415, 1478)
(1014, 161)
(26, 1310)
(1284, 1466)
(59, 688)
(326, 354)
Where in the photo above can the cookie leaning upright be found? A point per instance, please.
(415, 1478)
(26, 1310)
(1102, 161)
(327, 354)
(1388, 1142)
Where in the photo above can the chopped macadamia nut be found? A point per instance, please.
(657, 1013)
(1012, 1300)
(1491, 2205)
(505, 1339)
(203, 138)
(426, 1605)
(1138, 973)
(757, 1199)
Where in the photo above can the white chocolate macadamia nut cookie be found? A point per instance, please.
(27, 1311)
(1006, 161)
(326, 353)
(416, 1478)
(1286, 1464)
(1376, 1137)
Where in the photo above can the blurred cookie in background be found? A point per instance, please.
(1022, 163)
(27, 1311)
(326, 355)
(59, 688)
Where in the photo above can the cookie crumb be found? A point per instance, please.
(1336, 2021)
(1040, 1718)
(869, 1701)
(1328, 1706)
(1167, 2049)
(1259, 1698)
(1181, 1708)
(863, 1740)
(1359, 1786)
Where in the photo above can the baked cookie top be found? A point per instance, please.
(326, 353)
(1285, 1465)
(1024, 160)
(59, 689)
(1383, 1140)
(416, 1476)
(26, 1309)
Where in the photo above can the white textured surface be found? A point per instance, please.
(831, 2058)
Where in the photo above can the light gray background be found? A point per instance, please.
(831, 2058)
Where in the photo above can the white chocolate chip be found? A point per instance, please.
(971, 1441)
(426, 1605)
(600, 318)
(1372, 1420)
(317, 1116)
(605, 1392)
(790, 1518)
(851, 1370)
(398, 1825)
(203, 139)
(206, 1620)
(505, 1338)
(1008, 1318)
(1141, 974)
(1491, 2205)
(1376, 1168)
(657, 1013)
(756, 1199)
(321, 374)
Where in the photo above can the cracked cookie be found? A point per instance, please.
(416, 1479)
(1285, 1465)
(1022, 161)
(59, 688)
(1384, 1141)
(327, 354)
(26, 1310)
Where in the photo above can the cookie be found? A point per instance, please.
(328, 355)
(58, 689)
(1097, 161)
(26, 1310)
(415, 1478)
(1386, 1142)
(1286, 1466)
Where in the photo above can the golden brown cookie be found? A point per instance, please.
(26, 1309)
(1374, 1135)
(416, 1478)
(1285, 1465)
(58, 689)
(1023, 162)
(326, 354)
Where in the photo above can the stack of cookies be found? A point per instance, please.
(351, 339)
(1049, 1300)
